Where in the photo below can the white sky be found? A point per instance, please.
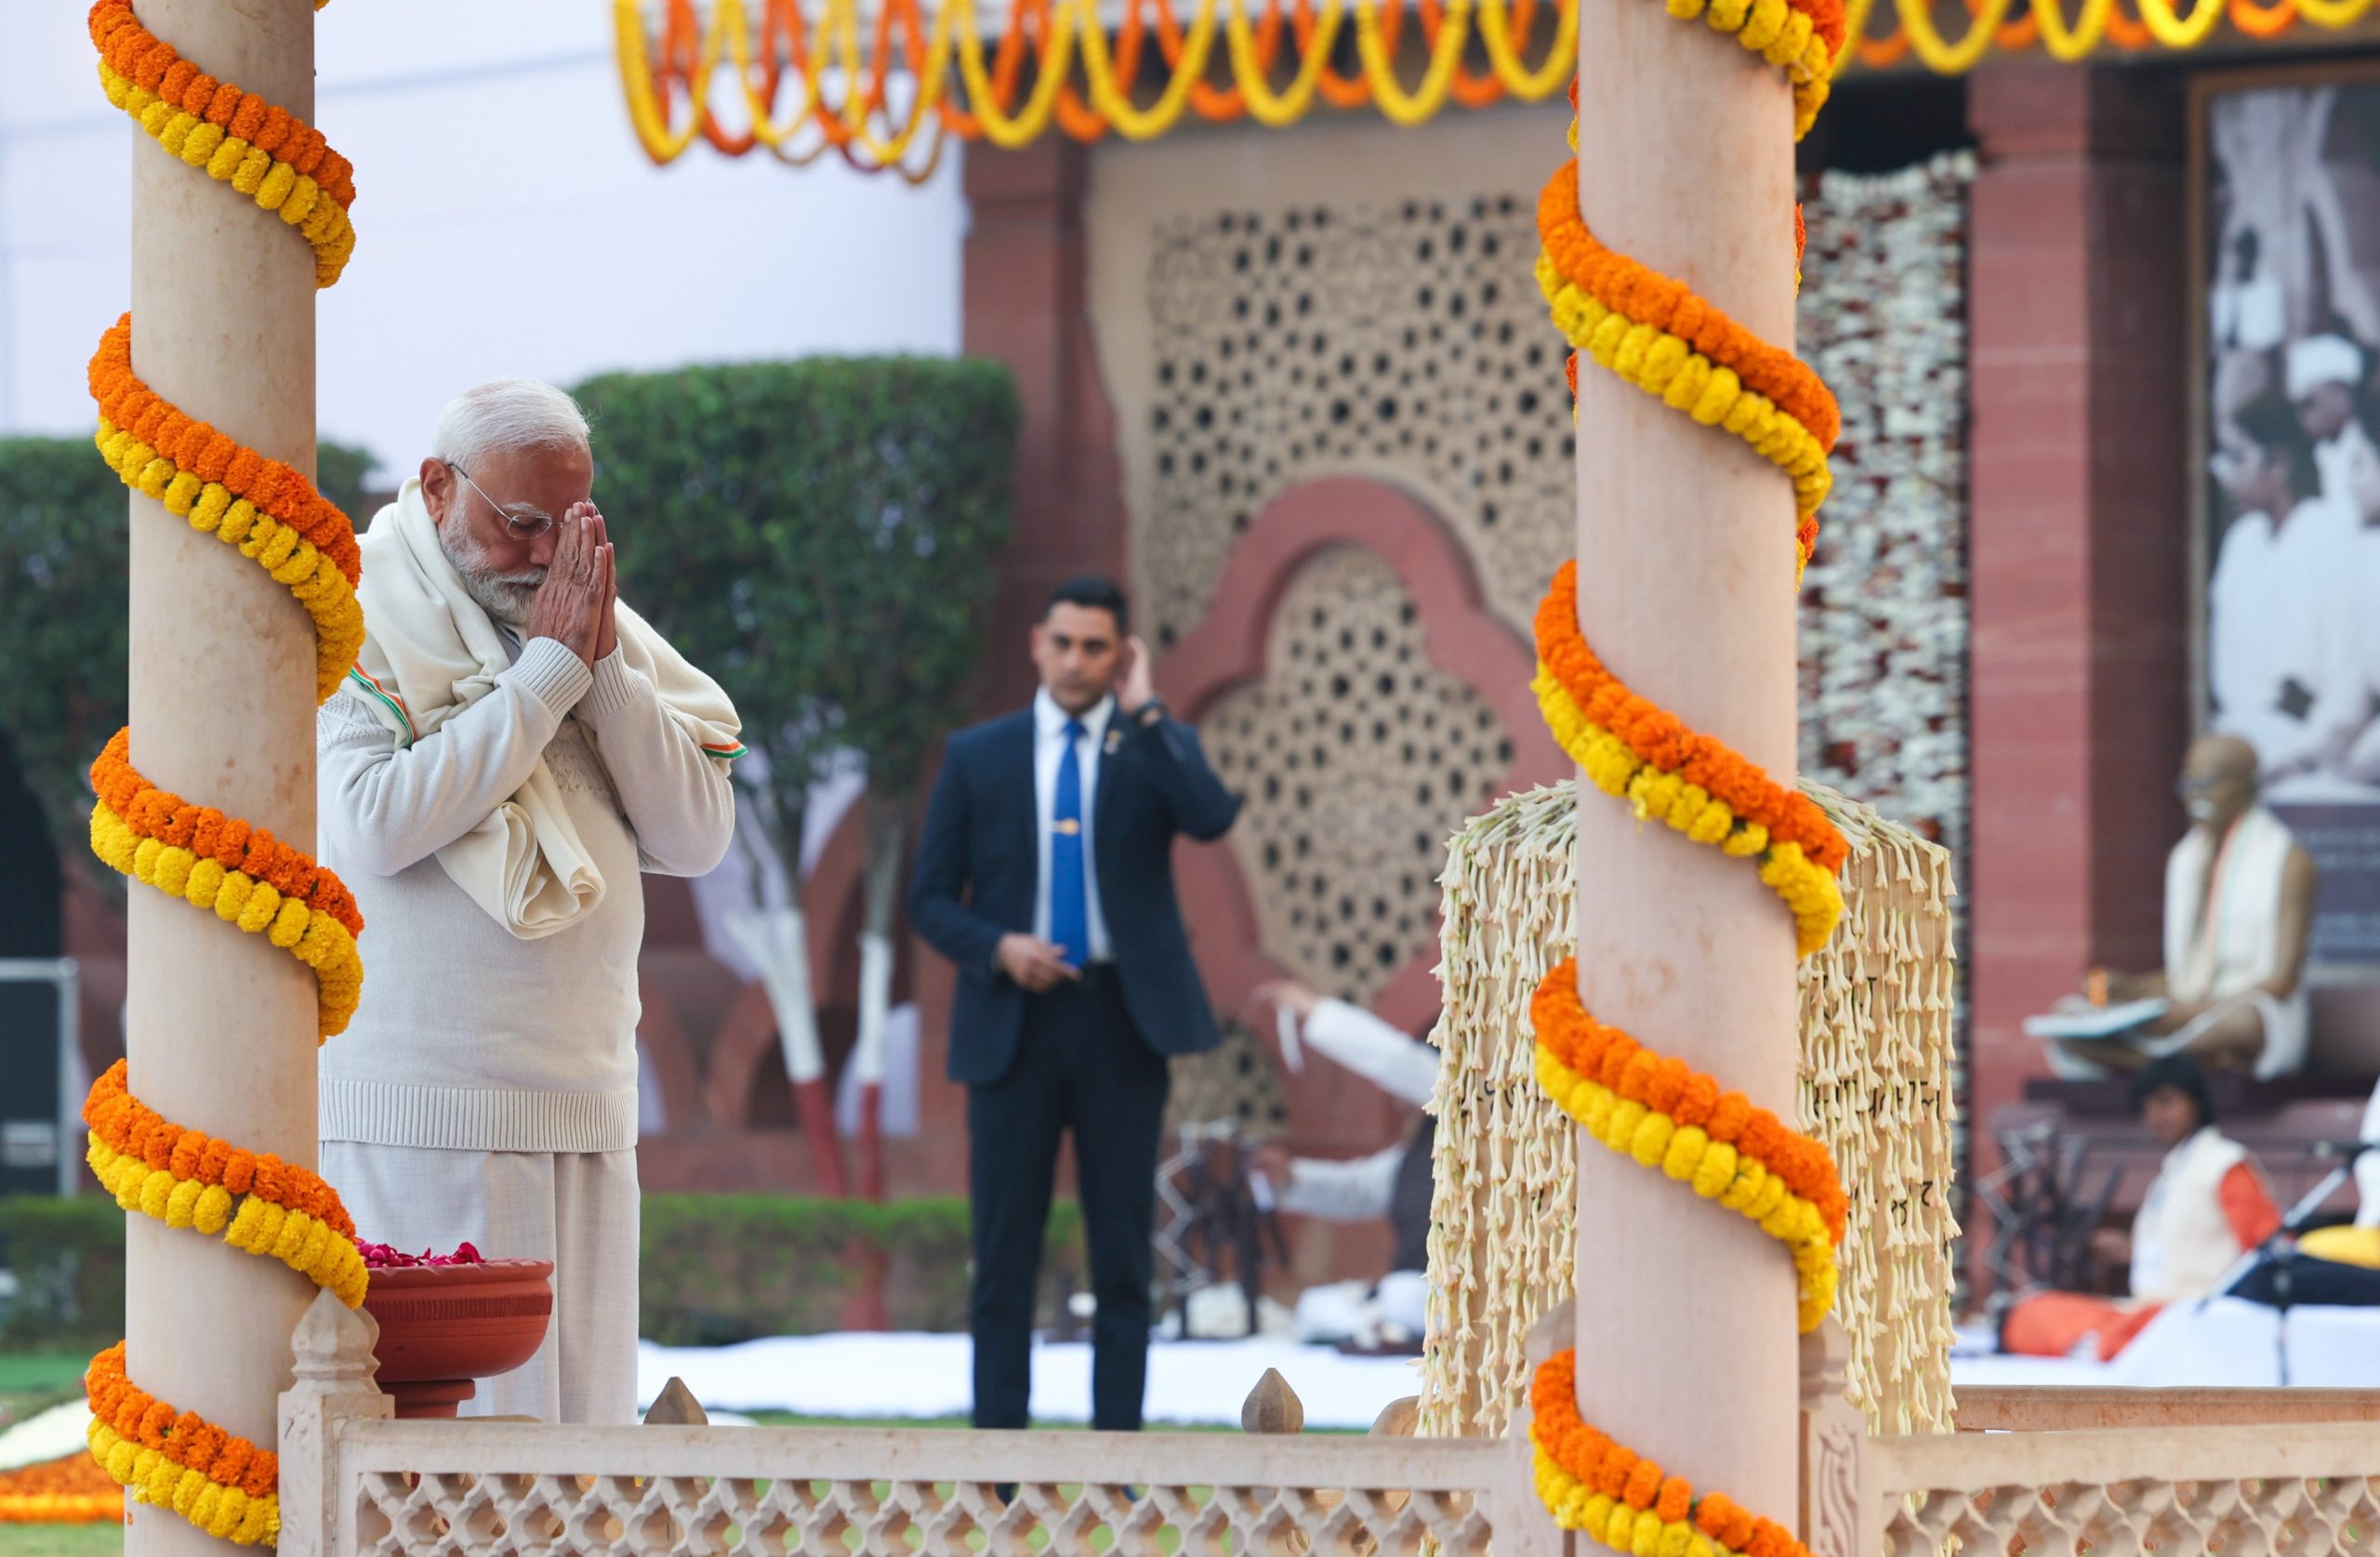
(507, 220)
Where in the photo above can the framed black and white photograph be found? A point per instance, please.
(2285, 202)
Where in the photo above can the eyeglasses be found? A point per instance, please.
(521, 527)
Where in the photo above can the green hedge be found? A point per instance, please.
(67, 1259)
(724, 1268)
(715, 1269)
(818, 536)
(62, 561)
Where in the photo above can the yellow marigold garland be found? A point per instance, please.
(1666, 367)
(291, 560)
(222, 1485)
(247, 1222)
(310, 935)
(1659, 336)
(1663, 1114)
(255, 1203)
(1632, 750)
(174, 1460)
(151, 1476)
(235, 137)
(70, 1490)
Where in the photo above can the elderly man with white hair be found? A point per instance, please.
(513, 748)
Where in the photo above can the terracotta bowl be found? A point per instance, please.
(443, 1325)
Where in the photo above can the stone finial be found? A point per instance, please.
(677, 1408)
(1825, 1362)
(334, 1345)
(1552, 1333)
(1398, 1418)
(1272, 1407)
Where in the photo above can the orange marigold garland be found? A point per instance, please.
(1663, 1114)
(253, 1201)
(1633, 748)
(238, 139)
(1657, 335)
(69, 1491)
(1627, 1502)
(178, 1459)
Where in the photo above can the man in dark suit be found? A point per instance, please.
(1046, 874)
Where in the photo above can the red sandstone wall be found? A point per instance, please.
(2080, 524)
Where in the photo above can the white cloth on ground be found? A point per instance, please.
(1363, 1311)
(431, 652)
(579, 1209)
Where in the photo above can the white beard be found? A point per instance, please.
(506, 597)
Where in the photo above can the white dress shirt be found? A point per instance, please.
(1048, 748)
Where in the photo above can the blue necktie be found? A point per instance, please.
(1069, 904)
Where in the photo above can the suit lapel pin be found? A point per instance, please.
(1114, 739)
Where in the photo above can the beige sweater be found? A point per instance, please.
(470, 1038)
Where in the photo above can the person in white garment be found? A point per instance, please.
(2239, 917)
(2208, 1206)
(2358, 761)
(2247, 324)
(1392, 1184)
(2246, 309)
(2322, 374)
(2282, 631)
(513, 748)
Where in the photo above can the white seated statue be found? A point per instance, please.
(2239, 914)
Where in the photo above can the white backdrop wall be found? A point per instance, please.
(507, 220)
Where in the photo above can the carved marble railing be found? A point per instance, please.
(2071, 1407)
(2035, 1471)
(355, 1480)
(2179, 1473)
(2190, 1492)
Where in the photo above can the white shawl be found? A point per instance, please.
(430, 652)
(2222, 949)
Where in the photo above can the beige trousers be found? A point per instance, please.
(579, 1209)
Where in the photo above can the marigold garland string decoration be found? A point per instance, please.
(680, 66)
(1655, 333)
(274, 516)
(67, 1491)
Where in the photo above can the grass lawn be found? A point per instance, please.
(31, 1382)
(60, 1541)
